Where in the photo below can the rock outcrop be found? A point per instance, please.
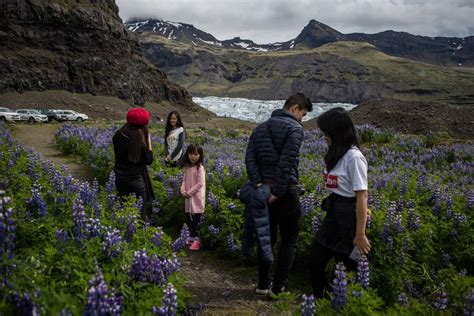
(78, 46)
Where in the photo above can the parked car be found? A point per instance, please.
(71, 115)
(7, 115)
(32, 116)
(53, 115)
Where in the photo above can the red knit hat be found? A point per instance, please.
(138, 116)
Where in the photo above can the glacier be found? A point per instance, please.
(257, 110)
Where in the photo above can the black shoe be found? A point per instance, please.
(263, 290)
(276, 290)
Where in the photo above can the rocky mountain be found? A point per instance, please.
(338, 71)
(187, 33)
(79, 46)
(446, 51)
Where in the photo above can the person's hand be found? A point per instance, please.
(168, 158)
(272, 199)
(149, 142)
(186, 195)
(369, 212)
(362, 243)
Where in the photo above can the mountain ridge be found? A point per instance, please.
(446, 51)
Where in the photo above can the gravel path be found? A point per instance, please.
(39, 137)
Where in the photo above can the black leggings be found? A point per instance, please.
(319, 258)
(192, 220)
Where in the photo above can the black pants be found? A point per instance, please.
(285, 215)
(319, 258)
(192, 220)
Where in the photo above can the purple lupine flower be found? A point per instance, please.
(357, 294)
(99, 301)
(36, 202)
(110, 185)
(86, 193)
(369, 221)
(140, 264)
(459, 219)
(419, 184)
(170, 303)
(339, 287)
(308, 307)
(213, 202)
(315, 224)
(94, 227)
(182, 240)
(446, 257)
(413, 220)
(441, 300)
(213, 230)
(112, 244)
(202, 219)
(152, 269)
(469, 303)
(7, 229)
(169, 192)
(170, 265)
(139, 203)
(307, 204)
(231, 206)
(157, 237)
(160, 176)
(24, 305)
(131, 228)
(233, 247)
(402, 300)
(363, 272)
(470, 200)
(79, 219)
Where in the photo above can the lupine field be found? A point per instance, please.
(71, 248)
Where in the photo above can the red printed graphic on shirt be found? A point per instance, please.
(330, 180)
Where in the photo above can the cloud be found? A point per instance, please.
(268, 21)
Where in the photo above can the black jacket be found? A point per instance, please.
(257, 221)
(273, 151)
(130, 172)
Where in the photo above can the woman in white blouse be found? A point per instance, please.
(174, 138)
(342, 233)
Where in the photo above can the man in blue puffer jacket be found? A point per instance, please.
(272, 158)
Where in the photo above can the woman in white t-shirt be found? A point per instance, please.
(174, 138)
(343, 228)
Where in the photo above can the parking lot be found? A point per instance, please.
(40, 115)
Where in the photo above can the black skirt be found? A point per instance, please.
(338, 229)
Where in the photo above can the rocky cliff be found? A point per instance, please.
(77, 46)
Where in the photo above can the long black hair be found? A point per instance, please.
(337, 124)
(179, 123)
(138, 137)
(193, 149)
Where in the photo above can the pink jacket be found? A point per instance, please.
(194, 183)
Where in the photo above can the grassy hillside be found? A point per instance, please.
(342, 71)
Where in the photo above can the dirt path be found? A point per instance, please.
(39, 137)
(218, 286)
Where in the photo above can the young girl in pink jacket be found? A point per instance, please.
(193, 189)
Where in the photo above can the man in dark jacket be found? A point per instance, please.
(272, 158)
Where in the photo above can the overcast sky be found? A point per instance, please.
(266, 21)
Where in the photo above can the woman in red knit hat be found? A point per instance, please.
(133, 152)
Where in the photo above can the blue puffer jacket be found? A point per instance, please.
(257, 221)
(276, 161)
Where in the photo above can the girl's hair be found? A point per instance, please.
(337, 124)
(138, 134)
(193, 149)
(179, 123)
